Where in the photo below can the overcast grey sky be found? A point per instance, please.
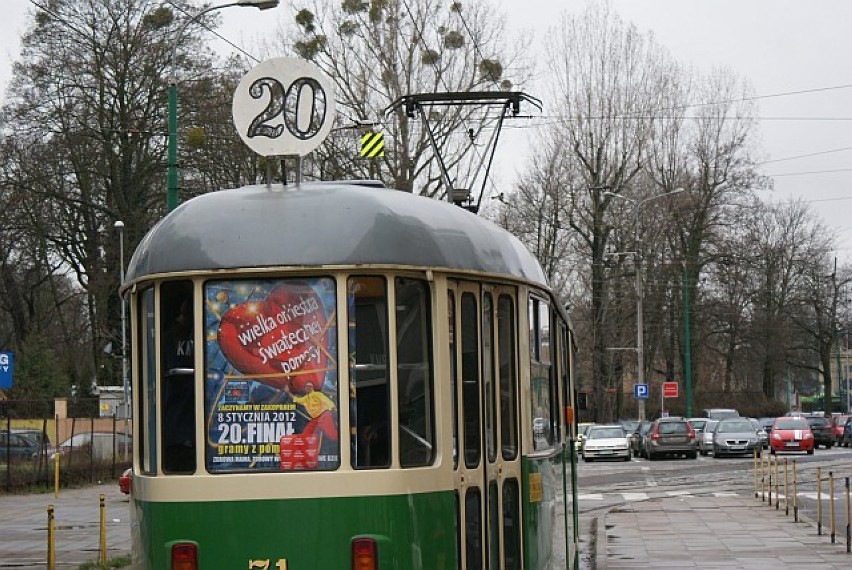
(795, 53)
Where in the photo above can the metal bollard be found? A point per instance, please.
(763, 479)
(848, 520)
(795, 494)
(103, 531)
(819, 500)
(51, 555)
(777, 495)
(831, 505)
(769, 481)
(786, 491)
(754, 472)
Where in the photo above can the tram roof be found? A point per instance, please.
(326, 223)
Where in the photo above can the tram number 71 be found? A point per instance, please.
(280, 564)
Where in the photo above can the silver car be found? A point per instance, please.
(735, 436)
(762, 434)
(705, 442)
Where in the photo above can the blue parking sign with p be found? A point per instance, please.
(640, 391)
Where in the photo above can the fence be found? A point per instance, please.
(826, 493)
(87, 449)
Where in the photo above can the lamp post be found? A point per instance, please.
(640, 341)
(119, 225)
(172, 174)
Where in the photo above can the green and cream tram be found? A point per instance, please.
(339, 375)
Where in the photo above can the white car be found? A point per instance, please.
(606, 442)
(705, 443)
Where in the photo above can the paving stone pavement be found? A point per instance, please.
(712, 532)
(76, 524)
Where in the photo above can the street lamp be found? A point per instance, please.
(640, 342)
(172, 175)
(119, 225)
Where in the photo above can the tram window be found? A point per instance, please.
(473, 528)
(451, 319)
(368, 376)
(493, 525)
(508, 377)
(511, 525)
(470, 379)
(178, 374)
(488, 376)
(147, 404)
(414, 373)
(543, 394)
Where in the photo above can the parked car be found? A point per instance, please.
(100, 446)
(606, 442)
(125, 480)
(581, 434)
(17, 446)
(735, 436)
(670, 436)
(720, 413)
(762, 434)
(821, 429)
(791, 434)
(705, 442)
(638, 438)
(766, 423)
(847, 434)
(838, 423)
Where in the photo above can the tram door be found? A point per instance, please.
(488, 471)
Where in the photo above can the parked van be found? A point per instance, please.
(720, 413)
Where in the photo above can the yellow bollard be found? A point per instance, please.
(831, 505)
(103, 533)
(769, 481)
(51, 557)
(795, 494)
(819, 500)
(786, 490)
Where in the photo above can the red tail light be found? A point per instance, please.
(184, 556)
(365, 554)
(654, 435)
(691, 431)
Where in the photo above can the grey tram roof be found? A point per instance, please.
(326, 223)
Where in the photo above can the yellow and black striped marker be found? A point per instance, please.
(372, 145)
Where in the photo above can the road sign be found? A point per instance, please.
(284, 106)
(640, 391)
(7, 361)
(669, 389)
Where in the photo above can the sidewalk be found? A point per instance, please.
(712, 532)
(76, 525)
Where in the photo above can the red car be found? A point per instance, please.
(125, 480)
(791, 434)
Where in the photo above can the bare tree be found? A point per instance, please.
(379, 51)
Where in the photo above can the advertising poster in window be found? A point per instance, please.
(271, 394)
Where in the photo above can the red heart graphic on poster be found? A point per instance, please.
(282, 334)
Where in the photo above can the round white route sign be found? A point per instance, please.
(284, 106)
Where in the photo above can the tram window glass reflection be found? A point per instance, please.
(178, 377)
(473, 528)
(270, 375)
(470, 379)
(414, 373)
(542, 390)
(508, 377)
(147, 403)
(369, 411)
(511, 525)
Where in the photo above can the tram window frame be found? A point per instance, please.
(544, 401)
(178, 386)
(414, 372)
(489, 380)
(370, 433)
(453, 341)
